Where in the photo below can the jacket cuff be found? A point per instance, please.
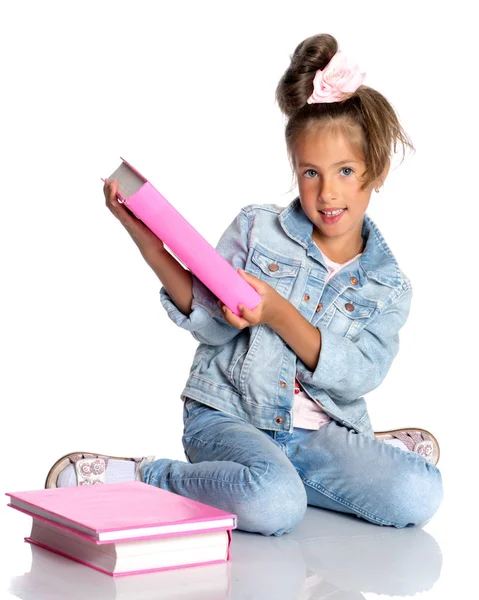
(201, 312)
(206, 322)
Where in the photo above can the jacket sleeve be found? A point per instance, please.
(350, 368)
(206, 322)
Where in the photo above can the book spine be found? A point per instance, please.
(192, 248)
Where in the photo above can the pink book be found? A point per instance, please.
(126, 528)
(148, 205)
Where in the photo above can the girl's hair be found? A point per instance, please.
(365, 111)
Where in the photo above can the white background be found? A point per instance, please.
(185, 92)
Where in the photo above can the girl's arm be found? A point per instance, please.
(303, 338)
(171, 273)
(176, 279)
(280, 315)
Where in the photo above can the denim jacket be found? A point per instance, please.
(250, 373)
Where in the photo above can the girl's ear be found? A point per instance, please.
(382, 178)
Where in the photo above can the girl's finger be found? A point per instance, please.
(112, 192)
(116, 207)
(120, 212)
(233, 319)
(247, 314)
(107, 187)
(106, 190)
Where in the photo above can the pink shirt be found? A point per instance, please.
(306, 413)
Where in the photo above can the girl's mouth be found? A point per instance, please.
(330, 217)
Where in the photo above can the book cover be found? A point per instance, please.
(201, 258)
(121, 511)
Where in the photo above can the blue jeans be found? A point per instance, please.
(267, 478)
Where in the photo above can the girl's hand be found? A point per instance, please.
(148, 243)
(266, 310)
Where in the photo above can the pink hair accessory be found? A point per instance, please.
(336, 81)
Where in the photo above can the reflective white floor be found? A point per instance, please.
(329, 555)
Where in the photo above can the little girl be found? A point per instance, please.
(274, 414)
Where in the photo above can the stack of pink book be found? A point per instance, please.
(126, 528)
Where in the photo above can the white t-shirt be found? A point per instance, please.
(306, 413)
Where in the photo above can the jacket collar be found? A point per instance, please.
(377, 261)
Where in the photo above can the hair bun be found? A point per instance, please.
(296, 84)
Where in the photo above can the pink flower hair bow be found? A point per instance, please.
(336, 81)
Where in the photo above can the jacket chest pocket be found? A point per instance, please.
(351, 314)
(278, 272)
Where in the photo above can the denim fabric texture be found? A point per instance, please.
(244, 453)
(250, 373)
(267, 478)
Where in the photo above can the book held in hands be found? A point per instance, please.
(126, 528)
(184, 241)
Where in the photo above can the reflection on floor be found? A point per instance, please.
(329, 555)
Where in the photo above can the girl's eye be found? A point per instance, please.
(313, 171)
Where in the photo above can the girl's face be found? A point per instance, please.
(328, 172)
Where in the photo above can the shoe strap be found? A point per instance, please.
(417, 442)
(90, 471)
(409, 438)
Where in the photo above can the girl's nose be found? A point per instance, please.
(327, 191)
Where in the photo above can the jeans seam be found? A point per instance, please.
(342, 501)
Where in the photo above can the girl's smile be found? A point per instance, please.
(330, 217)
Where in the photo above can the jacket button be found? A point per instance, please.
(319, 307)
(282, 384)
(306, 297)
(273, 267)
(354, 281)
(349, 307)
(279, 420)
